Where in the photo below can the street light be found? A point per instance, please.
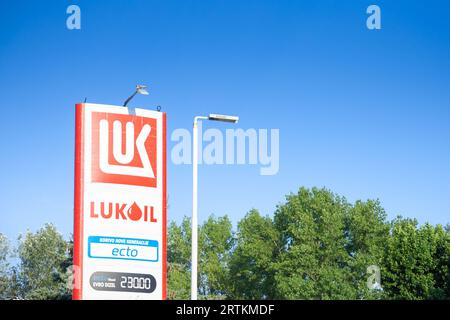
(141, 89)
(194, 247)
(223, 118)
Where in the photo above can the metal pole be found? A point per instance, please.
(194, 243)
(129, 98)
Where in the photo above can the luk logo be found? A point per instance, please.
(124, 149)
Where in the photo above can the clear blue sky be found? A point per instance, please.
(363, 113)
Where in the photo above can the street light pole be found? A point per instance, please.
(194, 222)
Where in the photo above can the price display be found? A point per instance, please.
(120, 281)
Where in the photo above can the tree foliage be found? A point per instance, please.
(313, 262)
(216, 243)
(320, 246)
(215, 247)
(316, 246)
(416, 261)
(4, 265)
(43, 257)
(251, 274)
(179, 260)
(366, 231)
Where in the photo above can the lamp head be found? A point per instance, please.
(142, 89)
(223, 118)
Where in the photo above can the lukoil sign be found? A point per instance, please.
(120, 203)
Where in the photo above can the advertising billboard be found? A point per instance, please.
(120, 203)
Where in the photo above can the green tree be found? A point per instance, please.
(41, 269)
(66, 274)
(216, 242)
(447, 267)
(215, 245)
(4, 266)
(313, 262)
(250, 266)
(367, 231)
(317, 246)
(415, 261)
(179, 260)
(441, 273)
